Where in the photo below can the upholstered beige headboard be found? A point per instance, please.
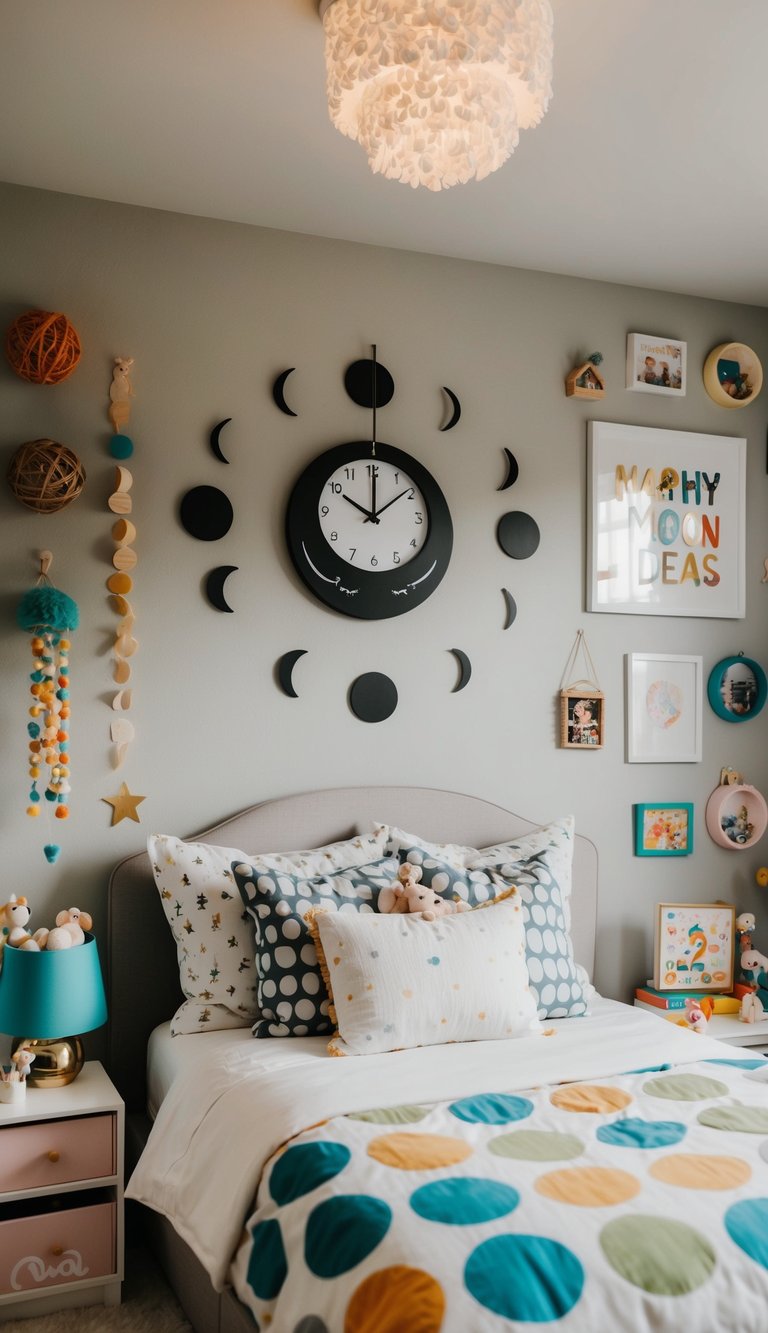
(143, 980)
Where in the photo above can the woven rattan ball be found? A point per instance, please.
(42, 347)
(45, 476)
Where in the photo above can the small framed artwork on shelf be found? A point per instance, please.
(664, 829)
(656, 364)
(581, 719)
(664, 707)
(693, 945)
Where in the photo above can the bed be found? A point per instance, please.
(604, 1170)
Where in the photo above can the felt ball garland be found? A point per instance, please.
(49, 615)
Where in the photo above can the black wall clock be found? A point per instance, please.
(369, 531)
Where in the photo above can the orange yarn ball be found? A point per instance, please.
(61, 812)
(42, 347)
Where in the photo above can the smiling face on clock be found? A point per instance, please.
(372, 514)
(370, 534)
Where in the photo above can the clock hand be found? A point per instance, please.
(368, 514)
(374, 474)
(399, 496)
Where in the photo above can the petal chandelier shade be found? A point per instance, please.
(437, 92)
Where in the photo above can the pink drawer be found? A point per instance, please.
(54, 1152)
(50, 1249)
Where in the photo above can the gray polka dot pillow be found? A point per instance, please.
(290, 989)
(540, 865)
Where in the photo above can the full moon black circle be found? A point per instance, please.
(206, 513)
(373, 697)
(358, 382)
(518, 534)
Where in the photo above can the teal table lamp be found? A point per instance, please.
(47, 996)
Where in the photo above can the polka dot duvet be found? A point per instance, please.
(607, 1173)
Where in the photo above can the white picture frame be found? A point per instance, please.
(656, 364)
(665, 693)
(665, 522)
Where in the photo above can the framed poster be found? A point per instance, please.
(664, 829)
(693, 946)
(664, 708)
(665, 522)
(656, 364)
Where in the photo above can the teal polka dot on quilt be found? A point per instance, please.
(631, 1133)
(305, 1166)
(491, 1108)
(528, 1278)
(343, 1231)
(267, 1266)
(464, 1201)
(747, 1225)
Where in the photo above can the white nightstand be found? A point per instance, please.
(61, 1197)
(724, 1027)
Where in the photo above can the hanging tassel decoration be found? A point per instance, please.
(49, 615)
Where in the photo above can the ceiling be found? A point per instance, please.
(647, 169)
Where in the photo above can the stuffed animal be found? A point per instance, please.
(23, 1059)
(408, 895)
(745, 924)
(70, 929)
(392, 898)
(14, 916)
(697, 1013)
(754, 962)
(751, 1009)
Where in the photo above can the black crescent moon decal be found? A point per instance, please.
(285, 671)
(449, 425)
(465, 669)
(277, 392)
(512, 471)
(214, 586)
(511, 606)
(215, 446)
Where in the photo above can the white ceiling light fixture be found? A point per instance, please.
(437, 92)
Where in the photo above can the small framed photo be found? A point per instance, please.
(656, 364)
(664, 829)
(664, 708)
(693, 946)
(581, 719)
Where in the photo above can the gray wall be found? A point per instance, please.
(212, 312)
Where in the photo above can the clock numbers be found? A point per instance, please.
(376, 512)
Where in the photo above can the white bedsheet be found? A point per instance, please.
(168, 1058)
(226, 1114)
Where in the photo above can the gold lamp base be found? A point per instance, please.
(58, 1060)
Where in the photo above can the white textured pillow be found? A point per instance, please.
(398, 981)
(214, 935)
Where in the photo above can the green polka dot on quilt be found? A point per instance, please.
(291, 992)
(540, 866)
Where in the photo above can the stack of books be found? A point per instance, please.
(673, 1001)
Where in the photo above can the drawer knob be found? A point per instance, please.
(57, 1250)
(53, 1156)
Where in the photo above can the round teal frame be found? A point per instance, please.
(714, 692)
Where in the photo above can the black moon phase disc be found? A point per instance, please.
(358, 382)
(214, 586)
(373, 697)
(206, 513)
(513, 471)
(518, 534)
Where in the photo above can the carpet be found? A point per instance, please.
(149, 1306)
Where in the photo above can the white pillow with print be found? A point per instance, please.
(399, 981)
(214, 934)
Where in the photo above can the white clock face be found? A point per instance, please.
(372, 515)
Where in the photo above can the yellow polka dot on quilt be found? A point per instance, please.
(590, 1097)
(395, 1299)
(695, 1171)
(418, 1152)
(588, 1186)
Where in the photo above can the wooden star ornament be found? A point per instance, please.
(124, 805)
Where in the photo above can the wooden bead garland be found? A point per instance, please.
(124, 558)
(42, 347)
(45, 476)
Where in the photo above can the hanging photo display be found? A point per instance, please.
(666, 522)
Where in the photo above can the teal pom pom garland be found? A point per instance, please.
(48, 614)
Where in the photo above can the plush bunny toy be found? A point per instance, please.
(70, 929)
